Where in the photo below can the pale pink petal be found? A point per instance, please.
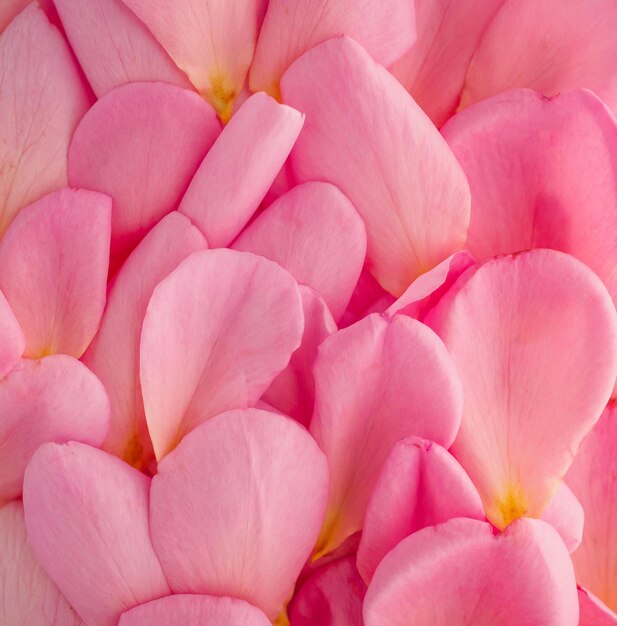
(236, 508)
(534, 340)
(217, 331)
(593, 612)
(41, 100)
(565, 514)
(377, 382)
(9, 9)
(549, 46)
(365, 134)
(12, 341)
(28, 597)
(314, 232)
(293, 391)
(421, 484)
(593, 479)
(194, 610)
(212, 41)
(54, 399)
(87, 520)
(448, 33)
(236, 174)
(426, 291)
(114, 47)
(385, 28)
(332, 596)
(53, 270)
(460, 574)
(141, 144)
(532, 163)
(114, 353)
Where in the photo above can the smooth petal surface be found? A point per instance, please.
(41, 101)
(114, 353)
(212, 41)
(293, 391)
(509, 326)
(314, 232)
(385, 28)
(565, 514)
(114, 47)
(366, 135)
(87, 520)
(53, 270)
(332, 596)
(141, 144)
(236, 508)
(12, 341)
(194, 610)
(593, 612)
(377, 382)
(217, 331)
(543, 52)
(460, 574)
(236, 174)
(421, 484)
(54, 399)
(448, 33)
(593, 479)
(532, 163)
(28, 597)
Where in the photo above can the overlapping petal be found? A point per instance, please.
(593, 612)
(12, 340)
(565, 514)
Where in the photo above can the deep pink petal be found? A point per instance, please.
(217, 331)
(565, 514)
(460, 574)
(41, 101)
(114, 47)
(421, 484)
(368, 297)
(236, 174)
(385, 28)
(377, 382)
(12, 341)
(534, 340)
(236, 508)
(332, 596)
(366, 135)
(593, 479)
(594, 612)
(53, 270)
(532, 163)
(141, 144)
(114, 353)
(87, 520)
(28, 597)
(314, 232)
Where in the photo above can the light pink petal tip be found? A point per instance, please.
(315, 233)
(141, 145)
(87, 520)
(114, 353)
(593, 479)
(41, 100)
(53, 270)
(534, 339)
(236, 174)
(212, 41)
(594, 612)
(532, 162)
(385, 28)
(543, 52)
(367, 136)
(332, 596)
(377, 382)
(12, 340)
(237, 506)
(28, 597)
(194, 610)
(421, 484)
(460, 574)
(565, 514)
(217, 331)
(114, 47)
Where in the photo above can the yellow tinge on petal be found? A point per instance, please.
(221, 96)
(282, 619)
(512, 505)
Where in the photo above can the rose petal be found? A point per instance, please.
(593, 611)
(12, 341)
(565, 514)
